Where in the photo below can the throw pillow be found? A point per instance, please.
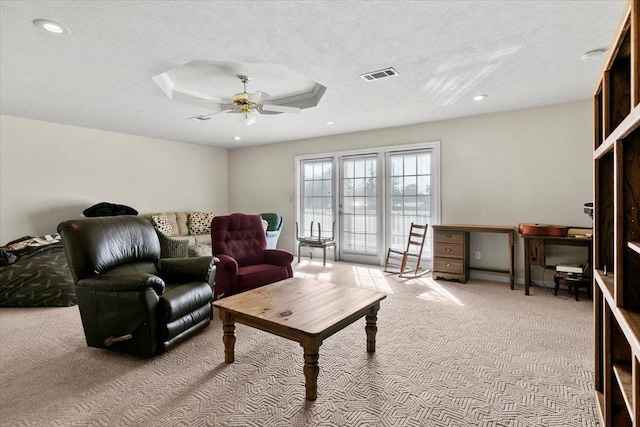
(200, 223)
(199, 250)
(162, 224)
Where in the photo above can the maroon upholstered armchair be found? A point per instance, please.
(239, 241)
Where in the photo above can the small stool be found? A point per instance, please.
(573, 282)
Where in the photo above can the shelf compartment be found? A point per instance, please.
(631, 280)
(617, 85)
(631, 123)
(631, 186)
(624, 379)
(618, 372)
(598, 369)
(619, 346)
(604, 212)
(620, 416)
(629, 216)
(598, 132)
(634, 246)
(606, 284)
(600, 405)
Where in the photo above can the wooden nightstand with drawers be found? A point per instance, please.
(450, 254)
(451, 251)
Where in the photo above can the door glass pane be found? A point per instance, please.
(410, 164)
(316, 195)
(359, 186)
(308, 171)
(359, 204)
(396, 166)
(424, 186)
(410, 185)
(409, 192)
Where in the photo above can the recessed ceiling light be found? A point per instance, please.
(51, 26)
(479, 97)
(236, 138)
(329, 123)
(593, 54)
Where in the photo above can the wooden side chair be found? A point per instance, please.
(408, 261)
(317, 241)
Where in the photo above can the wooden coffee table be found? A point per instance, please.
(302, 310)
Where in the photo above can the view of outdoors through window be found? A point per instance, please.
(317, 197)
(367, 226)
(410, 184)
(360, 204)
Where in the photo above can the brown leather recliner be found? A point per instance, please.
(130, 300)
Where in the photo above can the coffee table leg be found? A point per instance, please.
(371, 328)
(311, 368)
(229, 337)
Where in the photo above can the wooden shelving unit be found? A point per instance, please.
(616, 251)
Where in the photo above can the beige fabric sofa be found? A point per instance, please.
(181, 243)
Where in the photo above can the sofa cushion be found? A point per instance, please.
(200, 223)
(182, 219)
(203, 239)
(162, 225)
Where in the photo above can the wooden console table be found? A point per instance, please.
(451, 250)
(534, 252)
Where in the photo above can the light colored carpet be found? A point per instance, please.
(448, 354)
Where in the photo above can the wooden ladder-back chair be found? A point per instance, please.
(408, 261)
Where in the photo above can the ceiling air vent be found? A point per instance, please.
(375, 75)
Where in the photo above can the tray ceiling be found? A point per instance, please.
(99, 75)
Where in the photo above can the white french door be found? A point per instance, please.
(360, 208)
(373, 196)
(409, 185)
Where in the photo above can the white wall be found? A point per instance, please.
(51, 172)
(530, 165)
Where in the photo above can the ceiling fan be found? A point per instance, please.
(249, 105)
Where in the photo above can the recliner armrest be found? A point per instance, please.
(132, 282)
(188, 269)
(278, 257)
(226, 276)
(228, 263)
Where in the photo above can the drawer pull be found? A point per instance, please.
(449, 236)
(448, 250)
(448, 265)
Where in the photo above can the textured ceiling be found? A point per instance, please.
(520, 53)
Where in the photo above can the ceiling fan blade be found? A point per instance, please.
(281, 109)
(228, 106)
(259, 96)
(207, 116)
(197, 95)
